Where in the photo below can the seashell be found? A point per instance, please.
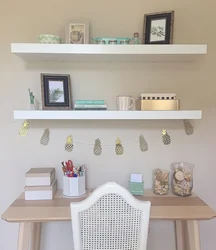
(179, 176)
(165, 176)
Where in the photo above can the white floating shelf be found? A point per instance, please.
(106, 115)
(34, 52)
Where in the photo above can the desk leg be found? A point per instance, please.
(36, 235)
(187, 235)
(24, 235)
(193, 234)
(180, 227)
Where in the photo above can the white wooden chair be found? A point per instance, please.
(111, 218)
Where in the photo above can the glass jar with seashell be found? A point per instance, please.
(182, 178)
(161, 181)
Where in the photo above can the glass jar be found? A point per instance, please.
(182, 178)
(136, 38)
(160, 181)
(112, 41)
(124, 42)
(101, 42)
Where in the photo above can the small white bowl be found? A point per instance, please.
(47, 38)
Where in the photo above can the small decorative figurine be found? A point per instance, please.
(32, 100)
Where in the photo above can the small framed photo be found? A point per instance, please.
(56, 91)
(158, 28)
(77, 33)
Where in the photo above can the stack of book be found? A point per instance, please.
(90, 105)
(40, 184)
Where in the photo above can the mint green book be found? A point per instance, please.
(136, 188)
(93, 102)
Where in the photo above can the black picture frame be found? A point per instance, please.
(162, 34)
(56, 92)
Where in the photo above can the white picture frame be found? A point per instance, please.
(77, 33)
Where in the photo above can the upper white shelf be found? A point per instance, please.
(106, 115)
(34, 52)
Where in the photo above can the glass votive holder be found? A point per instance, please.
(161, 181)
(182, 178)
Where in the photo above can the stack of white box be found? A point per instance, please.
(40, 184)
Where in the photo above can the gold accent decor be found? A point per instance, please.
(119, 148)
(165, 137)
(157, 104)
(45, 137)
(143, 143)
(23, 131)
(97, 147)
(69, 144)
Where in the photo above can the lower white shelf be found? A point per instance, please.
(106, 115)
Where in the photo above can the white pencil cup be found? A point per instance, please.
(74, 186)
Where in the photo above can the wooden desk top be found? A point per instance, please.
(169, 207)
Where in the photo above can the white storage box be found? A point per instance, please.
(41, 193)
(74, 186)
(40, 177)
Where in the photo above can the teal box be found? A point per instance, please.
(136, 188)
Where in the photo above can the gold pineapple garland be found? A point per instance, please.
(23, 131)
(165, 137)
(119, 148)
(45, 137)
(97, 147)
(188, 127)
(143, 143)
(69, 144)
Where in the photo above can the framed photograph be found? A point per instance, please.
(158, 28)
(56, 91)
(77, 33)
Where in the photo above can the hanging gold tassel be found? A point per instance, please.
(23, 131)
(69, 144)
(119, 148)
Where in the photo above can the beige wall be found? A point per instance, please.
(23, 21)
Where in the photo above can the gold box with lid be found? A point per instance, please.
(157, 101)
